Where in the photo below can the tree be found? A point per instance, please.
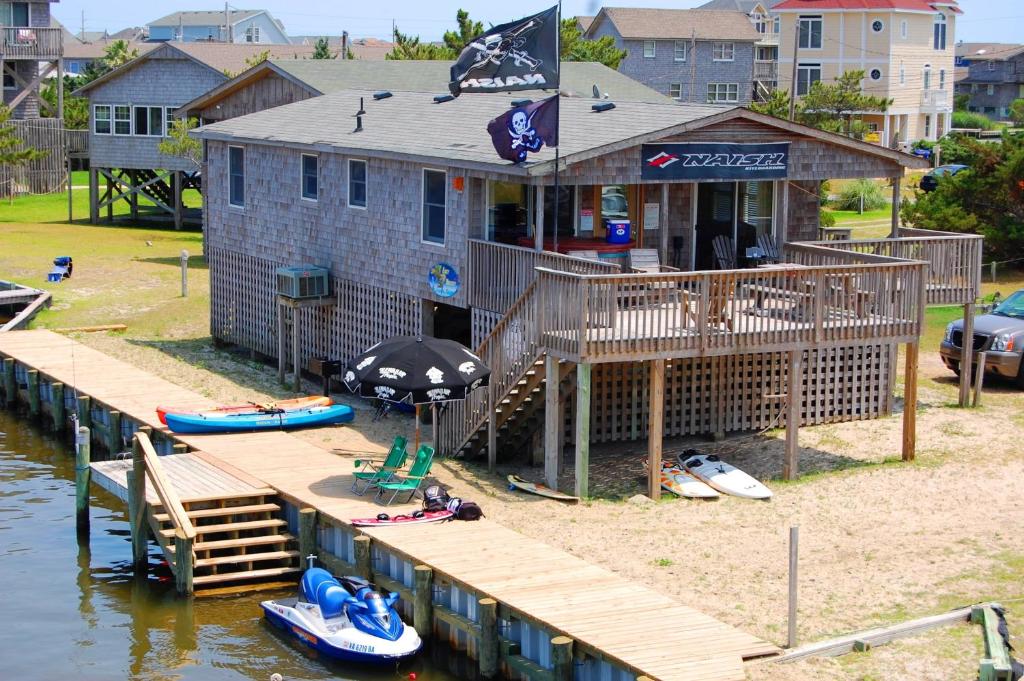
(257, 59)
(468, 29)
(76, 109)
(322, 49)
(777, 105)
(575, 48)
(115, 55)
(181, 143)
(836, 107)
(1017, 112)
(961, 101)
(13, 150)
(410, 47)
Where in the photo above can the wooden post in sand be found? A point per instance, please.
(910, 402)
(794, 540)
(655, 427)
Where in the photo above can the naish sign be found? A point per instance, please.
(496, 83)
(713, 161)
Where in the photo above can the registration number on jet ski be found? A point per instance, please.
(357, 647)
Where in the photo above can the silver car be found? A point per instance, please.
(1000, 334)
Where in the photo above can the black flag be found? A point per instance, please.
(525, 128)
(519, 55)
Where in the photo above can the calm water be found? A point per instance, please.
(76, 612)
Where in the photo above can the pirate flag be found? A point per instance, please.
(519, 55)
(525, 128)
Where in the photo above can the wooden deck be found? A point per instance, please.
(629, 624)
(191, 475)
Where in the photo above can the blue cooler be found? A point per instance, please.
(618, 232)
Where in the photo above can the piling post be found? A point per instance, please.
(488, 610)
(364, 567)
(57, 412)
(85, 411)
(794, 542)
(137, 507)
(179, 448)
(114, 432)
(979, 379)
(423, 601)
(33, 393)
(561, 658)
(307, 532)
(10, 387)
(82, 475)
(183, 563)
(184, 273)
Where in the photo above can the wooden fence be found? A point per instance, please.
(45, 174)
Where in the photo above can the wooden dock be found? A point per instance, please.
(611, 620)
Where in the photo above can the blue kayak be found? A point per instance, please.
(212, 422)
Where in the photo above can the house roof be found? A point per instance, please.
(370, 49)
(745, 6)
(677, 24)
(411, 125)
(862, 5)
(988, 51)
(204, 17)
(79, 50)
(584, 22)
(323, 76)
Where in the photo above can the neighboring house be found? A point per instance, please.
(994, 79)
(79, 56)
(766, 50)
(689, 55)
(370, 49)
(131, 109)
(229, 26)
(905, 48)
(583, 23)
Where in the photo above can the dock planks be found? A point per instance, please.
(630, 624)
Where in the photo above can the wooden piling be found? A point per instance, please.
(979, 379)
(966, 355)
(57, 412)
(83, 474)
(488, 611)
(33, 393)
(794, 403)
(363, 551)
(114, 441)
(85, 411)
(307, 533)
(910, 402)
(137, 508)
(561, 658)
(794, 552)
(583, 430)
(183, 562)
(179, 448)
(655, 427)
(552, 436)
(10, 387)
(423, 601)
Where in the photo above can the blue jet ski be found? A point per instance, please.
(346, 619)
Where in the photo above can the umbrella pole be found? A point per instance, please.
(417, 428)
(433, 425)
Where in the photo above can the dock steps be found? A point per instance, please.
(251, 509)
(246, 558)
(266, 573)
(202, 530)
(242, 542)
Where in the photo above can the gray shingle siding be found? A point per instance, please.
(379, 245)
(1006, 79)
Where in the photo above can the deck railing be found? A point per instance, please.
(77, 141)
(24, 42)
(499, 273)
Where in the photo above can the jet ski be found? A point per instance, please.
(346, 619)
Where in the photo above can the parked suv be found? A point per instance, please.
(930, 182)
(1000, 334)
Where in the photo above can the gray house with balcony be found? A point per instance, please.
(704, 56)
(995, 77)
(230, 26)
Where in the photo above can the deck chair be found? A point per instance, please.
(370, 472)
(725, 252)
(585, 255)
(647, 261)
(767, 244)
(409, 482)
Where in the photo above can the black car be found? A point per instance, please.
(930, 181)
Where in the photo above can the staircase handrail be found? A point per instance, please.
(163, 488)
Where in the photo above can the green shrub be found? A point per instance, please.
(850, 197)
(971, 119)
(825, 218)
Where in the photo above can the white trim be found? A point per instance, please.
(675, 50)
(654, 51)
(723, 43)
(904, 29)
(828, 60)
(113, 121)
(239, 206)
(148, 108)
(366, 184)
(423, 203)
(810, 33)
(717, 100)
(110, 119)
(302, 178)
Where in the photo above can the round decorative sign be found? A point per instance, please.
(443, 280)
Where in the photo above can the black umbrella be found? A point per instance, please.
(416, 370)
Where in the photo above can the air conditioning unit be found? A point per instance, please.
(302, 282)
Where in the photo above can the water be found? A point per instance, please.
(76, 611)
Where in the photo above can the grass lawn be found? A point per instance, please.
(49, 208)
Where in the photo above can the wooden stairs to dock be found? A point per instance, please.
(239, 537)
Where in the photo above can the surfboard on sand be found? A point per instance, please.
(722, 476)
(681, 483)
(515, 482)
(394, 521)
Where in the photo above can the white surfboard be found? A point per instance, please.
(680, 482)
(722, 476)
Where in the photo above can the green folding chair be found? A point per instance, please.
(411, 482)
(370, 472)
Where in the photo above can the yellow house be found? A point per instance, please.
(904, 47)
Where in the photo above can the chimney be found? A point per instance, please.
(344, 45)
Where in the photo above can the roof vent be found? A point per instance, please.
(603, 106)
(383, 94)
(521, 102)
(441, 99)
(359, 117)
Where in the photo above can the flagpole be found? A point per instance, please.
(558, 114)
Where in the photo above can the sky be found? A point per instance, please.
(983, 20)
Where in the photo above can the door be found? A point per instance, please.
(19, 14)
(716, 212)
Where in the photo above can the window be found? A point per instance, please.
(169, 120)
(679, 50)
(903, 29)
(252, 34)
(101, 119)
(122, 119)
(435, 198)
(991, 65)
(810, 33)
(675, 90)
(777, 25)
(236, 176)
(806, 75)
(9, 81)
(356, 183)
(149, 121)
(650, 49)
(876, 74)
(903, 74)
(877, 26)
(942, 79)
(974, 88)
(310, 177)
(74, 67)
(760, 22)
(724, 52)
(927, 126)
(723, 92)
(927, 77)
(20, 14)
(990, 89)
(939, 37)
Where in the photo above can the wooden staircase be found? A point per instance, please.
(239, 537)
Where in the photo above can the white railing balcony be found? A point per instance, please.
(932, 100)
(766, 71)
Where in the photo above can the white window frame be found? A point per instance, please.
(942, 79)
(974, 88)
(676, 49)
(927, 126)
(149, 120)
(252, 34)
(366, 184)
(903, 73)
(675, 90)
(731, 90)
(302, 178)
(114, 120)
(423, 205)
(653, 44)
(725, 47)
(991, 64)
(169, 119)
(777, 25)
(990, 89)
(110, 119)
(939, 21)
(231, 203)
(926, 77)
(811, 19)
(807, 66)
(904, 29)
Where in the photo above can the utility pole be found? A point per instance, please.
(81, 36)
(792, 81)
(344, 45)
(227, 24)
(693, 62)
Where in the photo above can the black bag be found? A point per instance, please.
(435, 498)
(465, 510)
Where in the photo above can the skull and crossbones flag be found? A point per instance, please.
(519, 55)
(525, 128)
